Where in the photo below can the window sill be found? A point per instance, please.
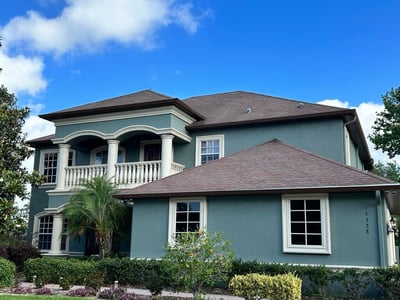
(298, 250)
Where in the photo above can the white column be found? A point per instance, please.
(166, 154)
(112, 157)
(63, 153)
(56, 235)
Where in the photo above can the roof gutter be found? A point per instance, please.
(389, 188)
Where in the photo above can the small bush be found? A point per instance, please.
(43, 291)
(66, 282)
(3, 252)
(21, 290)
(119, 294)
(82, 292)
(7, 272)
(20, 252)
(111, 293)
(95, 280)
(255, 286)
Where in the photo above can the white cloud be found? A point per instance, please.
(21, 74)
(366, 112)
(89, 24)
(35, 127)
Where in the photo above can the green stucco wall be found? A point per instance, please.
(305, 135)
(149, 228)
(107, 127)
(253, 224)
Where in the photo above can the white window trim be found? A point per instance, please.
(41, 162)
(200, 139)
(325, 225)
(102, 148)
(36, 222)
(172, 214)
(148, 142)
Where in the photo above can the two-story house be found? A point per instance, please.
(285, 181)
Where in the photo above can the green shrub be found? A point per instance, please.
(3, 252)
(7, 272)
(196, 259)
(50, 269)
(20, 252)
(255, 286)
(354, 281)
(388, 279)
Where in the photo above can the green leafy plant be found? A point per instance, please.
(257, 286)
(7, 272)
(388, 279)
(195, 259)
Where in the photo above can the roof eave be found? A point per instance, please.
(287, 190)
(314, 116)
(96, 111)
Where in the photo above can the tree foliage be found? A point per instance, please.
(13, 151)
(390, 170)
(195, 259)
(92, 207)
(386, 128)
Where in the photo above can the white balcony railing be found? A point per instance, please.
(129, 174)
(74, 175)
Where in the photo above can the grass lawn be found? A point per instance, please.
(37, 297)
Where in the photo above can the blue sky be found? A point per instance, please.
(57, 54)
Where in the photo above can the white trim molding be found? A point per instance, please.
(115, 135)
(149, 112)
(288, 246)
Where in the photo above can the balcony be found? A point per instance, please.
(127, 175)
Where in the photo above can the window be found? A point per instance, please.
(100, 156)
(49, 162)
(186, 215)
(209, 148)
(45, 232)
(64, 236)
(306, 224)
(50, 167)
(150, 150)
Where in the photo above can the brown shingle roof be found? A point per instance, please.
(232, 108)
(271, 167)
(43, 140)
(138, 100)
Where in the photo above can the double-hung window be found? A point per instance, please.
(209, 148)
(305, 223)
(49, 163)
(45, 232)
(186, 215)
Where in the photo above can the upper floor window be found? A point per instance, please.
(209, 148)
(150, 150)
(186, 215)
(49, 162)
(305, 225)
(100, 155)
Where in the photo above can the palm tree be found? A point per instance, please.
(92, 207)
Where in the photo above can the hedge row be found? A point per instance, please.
(317, 280)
